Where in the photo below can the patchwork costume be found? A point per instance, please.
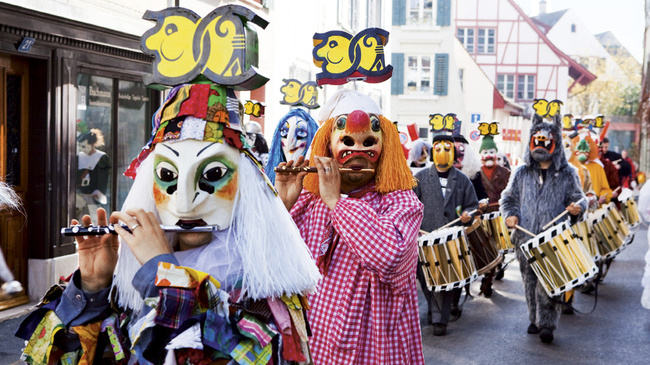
(235, 299)
(365, 310)
(535, 196)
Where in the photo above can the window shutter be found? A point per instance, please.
(397, 81)
(444, 13)
(399, 12)
(441, 75)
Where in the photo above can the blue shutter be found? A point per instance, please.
(399, 12)
(441, 75)
(444, 13)
(397, 80)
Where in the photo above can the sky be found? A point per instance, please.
(624, 18)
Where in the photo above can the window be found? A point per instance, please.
(506, 84)
(418, 74)
(374, 13)
(466, 37)
(485, 42)
(419, 12)
(573, 28)
(525, 87)
(112, 122)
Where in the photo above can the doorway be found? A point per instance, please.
(14, 128)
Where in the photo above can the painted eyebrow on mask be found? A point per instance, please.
(171, 149)
(205, 148)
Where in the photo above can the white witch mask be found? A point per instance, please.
(294, 135)
(195, 182)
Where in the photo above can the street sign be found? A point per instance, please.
(475, 118)
(26, 44)
(474, 135)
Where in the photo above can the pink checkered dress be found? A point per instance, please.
(366, 307)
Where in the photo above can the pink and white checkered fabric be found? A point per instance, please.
(366, 307)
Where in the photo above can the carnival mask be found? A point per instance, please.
(542, 145)
(424, 155)
(195, 182)
(460, 154)
(489, 157)
(356, 143)
(443, 154)
(582, 150)
(294, 135)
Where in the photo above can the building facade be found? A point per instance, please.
(514, 53)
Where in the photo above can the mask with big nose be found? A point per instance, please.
(443, 154)
(356, 143)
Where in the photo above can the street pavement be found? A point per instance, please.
(493, 331)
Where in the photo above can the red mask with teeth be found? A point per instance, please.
(356, 143)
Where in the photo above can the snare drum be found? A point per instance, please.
(484, 248)
(495, 226)
(612, 232)
(631, 212)
(585, 232)
(447, 261)
(559, 259)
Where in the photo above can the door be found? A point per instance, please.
(14, 83)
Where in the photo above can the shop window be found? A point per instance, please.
(111, 128)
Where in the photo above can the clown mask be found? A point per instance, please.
(195, 183)
(542, 145)
(460, 154)
(489, 157)
(356, 143)
(294, 135)
(443, 154)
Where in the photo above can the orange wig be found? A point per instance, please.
(392, 172)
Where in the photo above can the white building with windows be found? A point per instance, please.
(433, 73)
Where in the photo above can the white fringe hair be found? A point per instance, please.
(9, 198)
(262, 240)
(471, 162)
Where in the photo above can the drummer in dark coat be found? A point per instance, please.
(444, 186)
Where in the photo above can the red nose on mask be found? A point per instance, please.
(358, 121)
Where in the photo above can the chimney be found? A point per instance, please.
(542, 7)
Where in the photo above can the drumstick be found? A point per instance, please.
(560, 215)
(524, 230)
(311, 169)
(423, 232)
(457, 219)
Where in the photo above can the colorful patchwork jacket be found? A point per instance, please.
(187, 319)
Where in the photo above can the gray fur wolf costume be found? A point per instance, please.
(536, 199)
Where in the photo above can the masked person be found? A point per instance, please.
(543, 187)
(291, 139)
(230, 293)
(443, 186)
(617, 168)
(362, 228)
(257, 141)
(586, 152)
(419, 155)
(467, 161)
(494, 178)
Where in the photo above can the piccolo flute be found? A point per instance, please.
(314, 169)
(110, 229)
